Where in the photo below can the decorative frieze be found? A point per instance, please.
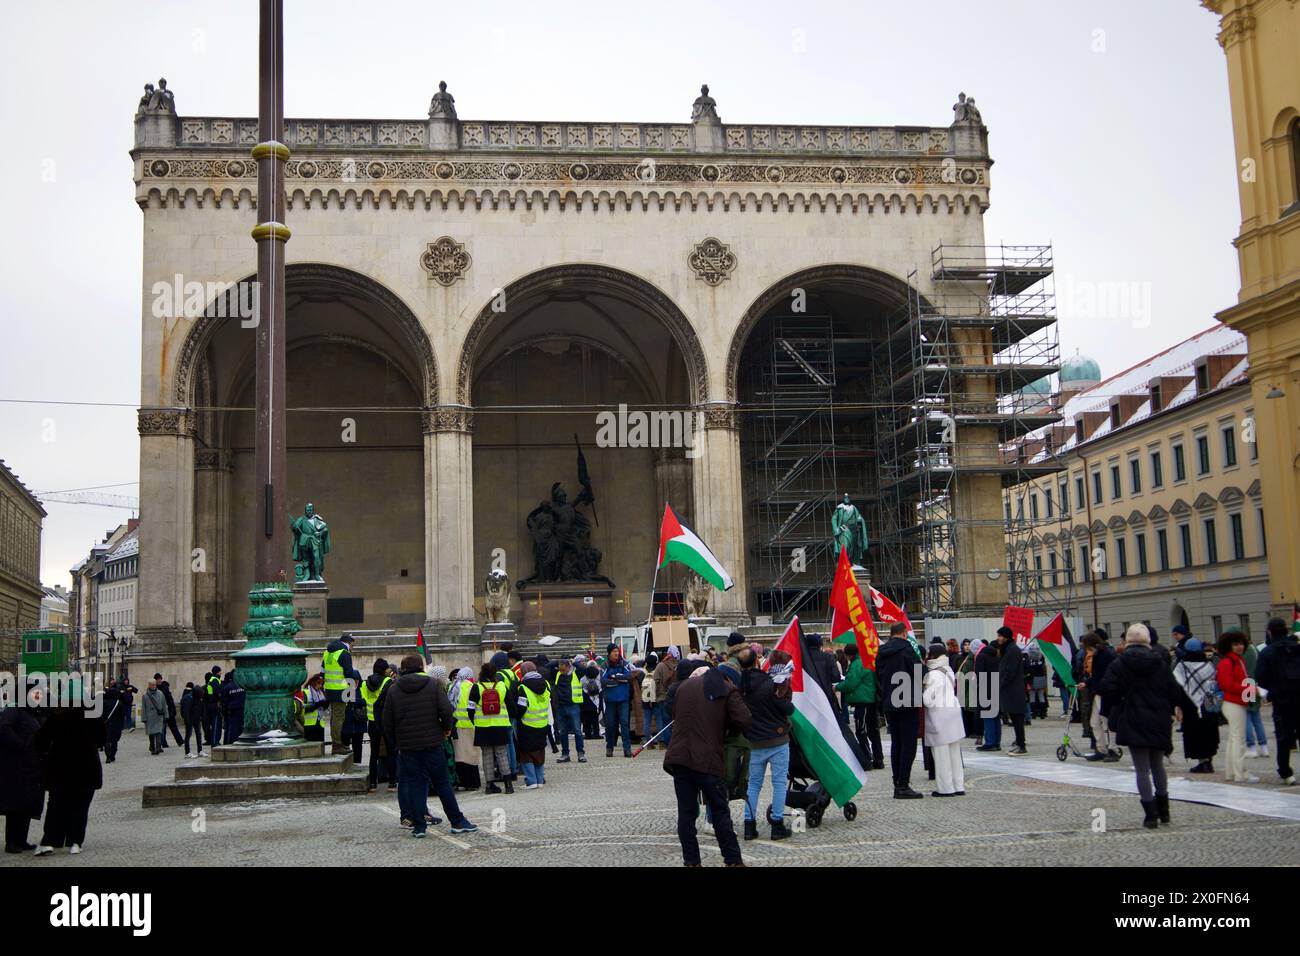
(447, 418)
(712, 260)
(445, 260)
(212, 459)
(165, 421)
(720, 415)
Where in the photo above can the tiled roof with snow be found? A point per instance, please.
(1177, 361)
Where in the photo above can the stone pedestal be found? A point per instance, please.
(580, 609)
(258, 772)
(494, 635)
(311, 608)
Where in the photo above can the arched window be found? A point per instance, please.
(1294, 138)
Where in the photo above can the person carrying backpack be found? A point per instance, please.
(1278, 672)
(487, 705)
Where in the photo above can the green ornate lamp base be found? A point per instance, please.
(271, 668)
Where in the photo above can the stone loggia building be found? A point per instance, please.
(465, 295)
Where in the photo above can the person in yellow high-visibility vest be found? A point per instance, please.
(467, 755)
(372, 693)
(566, 701)
(529, 703)
(341, 682)
(314, 708)
(487, 705)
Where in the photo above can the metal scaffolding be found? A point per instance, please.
(968, 357)
(788, 439)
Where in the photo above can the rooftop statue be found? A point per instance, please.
(705, 108)
(443, 103)
(964, 110)
(157, 99)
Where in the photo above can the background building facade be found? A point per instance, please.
(21, 515)
(1157, 512)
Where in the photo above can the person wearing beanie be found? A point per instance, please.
(1198, 706)
(859, 690)
(736, 645)
(1011, 687)
(566, 703)
(1141, 695)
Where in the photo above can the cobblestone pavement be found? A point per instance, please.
(615, 811)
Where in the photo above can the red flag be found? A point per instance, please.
(1021, 622)
(851, 620)
(791, 644)
(888, 611)
(421, 646)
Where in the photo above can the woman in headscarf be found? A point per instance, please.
(467, 755)
(1198, 706)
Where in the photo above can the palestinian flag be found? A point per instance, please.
(825, 747)
(1295, 618)
(422, 647)
(1051, 641)
(850, 618)
(678, 543)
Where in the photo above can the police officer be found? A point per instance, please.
(337, 664)
(232, 705)
(567, 703)
(212, 705)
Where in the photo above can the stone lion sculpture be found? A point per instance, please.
(497, 600)
(698, 592)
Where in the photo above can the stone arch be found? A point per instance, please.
(318, 277)
(871, 282)
(604, 279)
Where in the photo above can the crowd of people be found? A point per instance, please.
(722, 717)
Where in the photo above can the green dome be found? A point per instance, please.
(1042, 386)
(1080, 368)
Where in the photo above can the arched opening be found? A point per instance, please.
(359, 372)
(1293, 140)
(575, 356)
(805, 367)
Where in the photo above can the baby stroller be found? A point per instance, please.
(805, 792)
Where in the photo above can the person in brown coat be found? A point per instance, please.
(706, 706)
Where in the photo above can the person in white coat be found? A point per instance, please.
(944, 730)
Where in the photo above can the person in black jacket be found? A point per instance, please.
(1011, 687)
(21, 795)
(986, 679)
(418, 718)
(232, 707)
(1140, 694)
(115, 707)
(166, 689)
(769, 741)
(1098, 656)
(1278, 672)
(898, 676)
(192, 699)
(69, 742)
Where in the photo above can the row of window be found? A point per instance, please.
(120, 569)
(116, 618)
(1116, 559)
(120, 592)
(1155, 473)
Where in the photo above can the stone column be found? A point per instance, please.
(979, 538)
(212, 468)
(719, 506)
(166, 596)
(449, 524)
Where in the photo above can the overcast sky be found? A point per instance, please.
(1108, 123)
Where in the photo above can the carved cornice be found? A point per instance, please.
(385, 171)
(1235, 27)
(720, 415)
(212, 459)
(447, 418)
(178, 422)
